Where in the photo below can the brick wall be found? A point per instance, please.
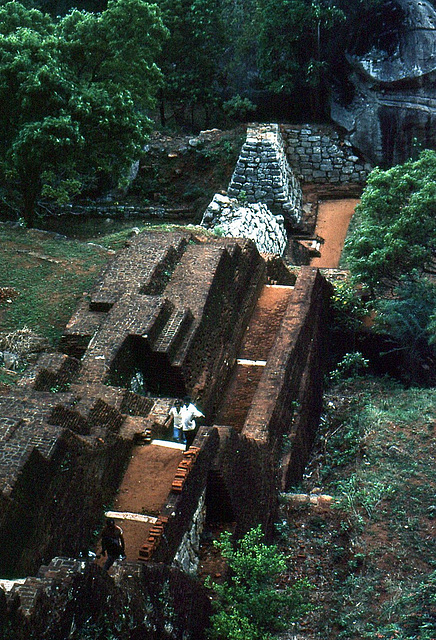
(147, 601)
(65, 446)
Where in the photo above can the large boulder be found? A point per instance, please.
(391, 112)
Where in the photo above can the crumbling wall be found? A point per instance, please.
(235, 219)
(221, 308)
(72, 598)
(283, 414)
(277, 396)
(55, 503)
(183, 502)
(262, 174)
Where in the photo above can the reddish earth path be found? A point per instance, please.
(332, 224)
(144, 490)
(258, 340)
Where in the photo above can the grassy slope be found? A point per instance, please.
(372, 559)
(49, 276)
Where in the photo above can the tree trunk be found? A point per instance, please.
(30, 193)
(162, 107)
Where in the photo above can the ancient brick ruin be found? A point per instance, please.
(172, 314)
(212, 318)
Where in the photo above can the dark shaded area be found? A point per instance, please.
(379, 28)
(159, 377)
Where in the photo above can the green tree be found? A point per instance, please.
(291, 54)
(190, 61)
(250, 605)
(396, 236)
(392, 250)
(408, 316)
(75, 93)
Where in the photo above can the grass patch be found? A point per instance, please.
(49, 275)
(376, 455)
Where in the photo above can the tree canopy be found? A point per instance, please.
(75, 93)
(396, 236)
(292, 52)
(191, 60)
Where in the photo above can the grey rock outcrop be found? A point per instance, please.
(393, 110)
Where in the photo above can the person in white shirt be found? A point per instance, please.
(175, 414)
(189, 413)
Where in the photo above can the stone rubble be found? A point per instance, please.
(228, 217)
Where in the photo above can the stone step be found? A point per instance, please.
(173, 333)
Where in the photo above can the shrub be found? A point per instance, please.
(250, 606)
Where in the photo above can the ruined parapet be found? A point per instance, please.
(263, 175)
(284, 405)
(233, 219)
(273, 405)
(319, 155)
(69, 595)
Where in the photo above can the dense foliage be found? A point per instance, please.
(74, 93)
(396, 236)
(276, 54)
(292, 52)
(250, 604)
(77, 85)
(392, 251)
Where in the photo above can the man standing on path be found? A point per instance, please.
(176, 417)
(112, 543)
(189, 413)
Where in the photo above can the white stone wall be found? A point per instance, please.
(230, 218)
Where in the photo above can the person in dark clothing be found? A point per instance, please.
(112, 543)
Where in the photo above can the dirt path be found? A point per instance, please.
(332, 224)
(257, 342)
(144, 490)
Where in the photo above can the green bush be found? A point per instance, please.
(352, 365)
(250, 606)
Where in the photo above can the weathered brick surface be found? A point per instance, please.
(145, 266)
(161, 602)
(66, 433)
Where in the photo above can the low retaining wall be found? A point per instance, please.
(319, 154)
(146, 601)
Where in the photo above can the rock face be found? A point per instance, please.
(392, 110)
